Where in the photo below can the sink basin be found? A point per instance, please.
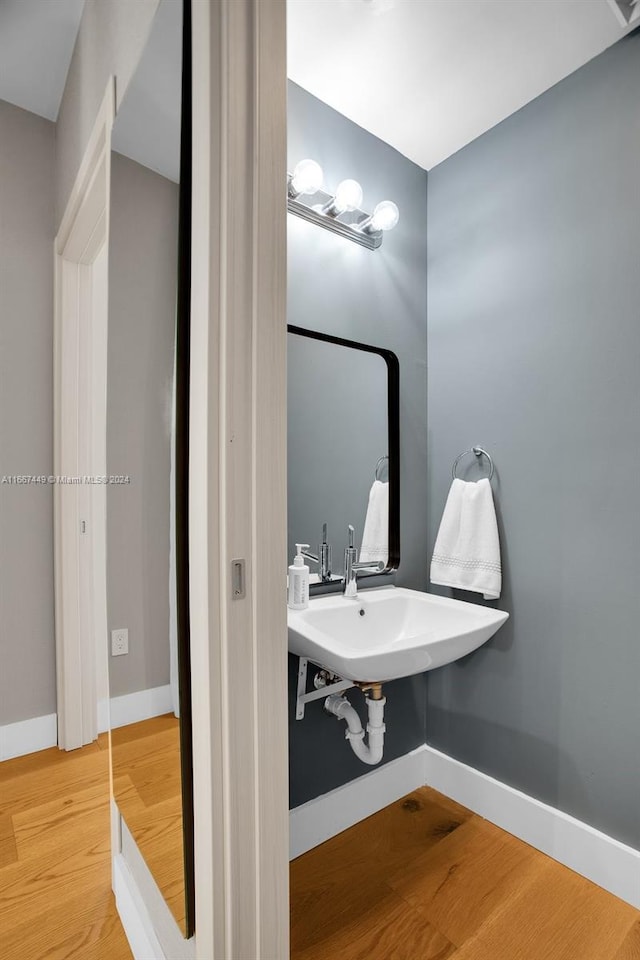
(390, 632)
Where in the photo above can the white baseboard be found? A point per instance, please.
(133, 707)
(148, 922)
(133, 914)
(316, 821)
(28, 736)
(593, 854)
(103, 716)
(39, 733)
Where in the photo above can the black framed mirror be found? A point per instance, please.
(343, 452)
(148, 440)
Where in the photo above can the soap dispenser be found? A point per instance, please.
(298, 593)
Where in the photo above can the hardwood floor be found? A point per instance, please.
(148, 790)
(425, 879)
(55, 862)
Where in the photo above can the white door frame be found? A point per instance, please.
(237, 480)
(79, 410)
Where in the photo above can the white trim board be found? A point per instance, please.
(133, 914)
(596, 856)
(133, 707)
(28, 736)
(589, 852)
(318, 820)
(40, 733)
(79, 438)
(158, 920)
(238, 478)
(148, 923)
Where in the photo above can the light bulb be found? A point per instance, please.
(348, 196)
(385, 216)
(307, 177)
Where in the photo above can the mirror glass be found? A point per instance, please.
(343, 437)
(149, 765)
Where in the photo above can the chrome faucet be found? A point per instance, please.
(351, 567)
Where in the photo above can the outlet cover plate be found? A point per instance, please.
(119, 642)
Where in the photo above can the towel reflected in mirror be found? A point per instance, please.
(375, 539)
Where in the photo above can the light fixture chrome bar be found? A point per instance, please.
(345, 225)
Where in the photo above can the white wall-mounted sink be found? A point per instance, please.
(390, 632)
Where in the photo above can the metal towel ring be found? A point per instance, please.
(381, 460)
(479, 452)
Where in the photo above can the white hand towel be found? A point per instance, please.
(467, 550)
(375, 539)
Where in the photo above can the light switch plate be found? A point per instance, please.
(119, 642)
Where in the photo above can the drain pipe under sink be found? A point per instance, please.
(340, 707)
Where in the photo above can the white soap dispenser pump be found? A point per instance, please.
(298, 593)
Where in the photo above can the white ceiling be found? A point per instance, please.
(429, 76)
(147, 127)
(37, 38)
(426, 76)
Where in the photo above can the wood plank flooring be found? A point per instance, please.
(148, 790)
(425, 879)
(55, 863)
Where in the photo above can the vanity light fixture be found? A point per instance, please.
(340, 212)
(307, 178)
(347, 199)
(384, 217)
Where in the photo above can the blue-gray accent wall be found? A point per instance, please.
(534, 352)
(377, 297)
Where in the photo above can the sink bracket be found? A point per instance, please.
(321, 693)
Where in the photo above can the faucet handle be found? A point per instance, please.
(351, 536)
(374, 565)
(309, 556)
